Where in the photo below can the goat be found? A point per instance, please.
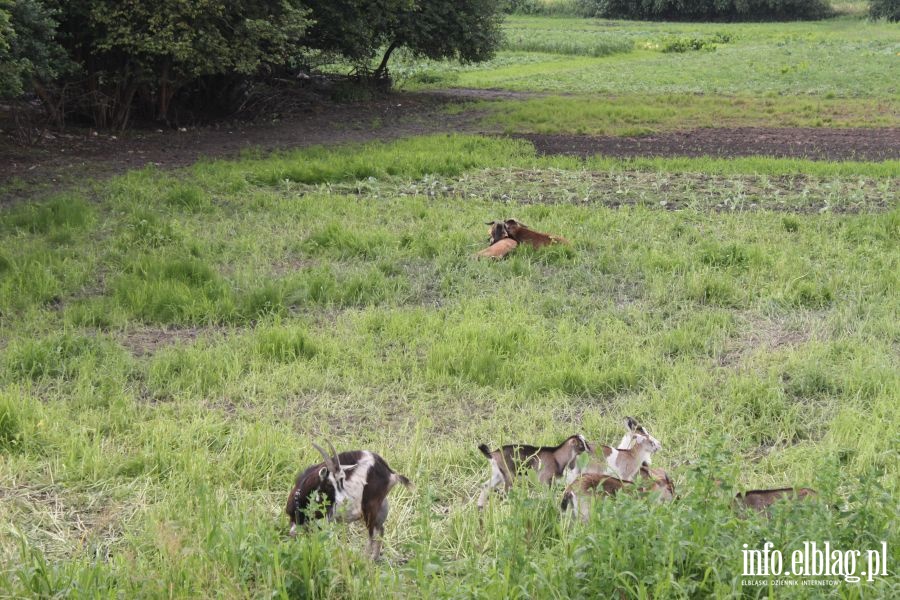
(345, 487)
(761, 500)
(624, 463)
(525, 235)
(632, 427)
(548, 461)
(501, 243)
(579, 493)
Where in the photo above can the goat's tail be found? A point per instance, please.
(485, 450)
(398, 478)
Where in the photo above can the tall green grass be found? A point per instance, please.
(159, 394)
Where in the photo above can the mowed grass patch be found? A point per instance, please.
(758, 346)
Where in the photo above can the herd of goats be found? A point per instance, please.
(349, 486)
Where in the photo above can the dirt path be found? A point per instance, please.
(815, 144)
(79, 154)
(64, 158)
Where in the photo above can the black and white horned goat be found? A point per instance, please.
(345, 487)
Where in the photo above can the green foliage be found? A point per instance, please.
(29, 52)
(702, 10)
(685, 44)
(466, 30)
(885, 9)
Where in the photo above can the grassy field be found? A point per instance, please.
(627, 78)
(172, 342)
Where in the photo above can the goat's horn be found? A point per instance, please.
(337, 461)
(328, 461)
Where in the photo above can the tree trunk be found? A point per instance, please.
(382, 68)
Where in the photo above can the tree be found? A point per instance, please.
(467, 30)
(154, 49)
(29, 54)
(885, 9)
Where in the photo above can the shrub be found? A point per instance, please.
(708, 10)
(885, 9)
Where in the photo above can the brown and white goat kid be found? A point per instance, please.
(631, 428)
(525, 235)
(549, 462)
(345, 487)
(501, 243)
(620, 461)
(624, 463)
(580, 493)
(761, 500)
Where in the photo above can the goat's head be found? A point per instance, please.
(497, 231)
(513, 226)
(332, 472)
(634, 428)
(645, 444)
(578, 444)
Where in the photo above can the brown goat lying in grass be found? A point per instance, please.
(525, 235)
(506, 235)
(501, 243)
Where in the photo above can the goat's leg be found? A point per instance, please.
(376, 530)
(496, 479)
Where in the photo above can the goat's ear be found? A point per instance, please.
(631, 424)
(323, 473)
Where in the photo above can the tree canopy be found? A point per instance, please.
(115, 58)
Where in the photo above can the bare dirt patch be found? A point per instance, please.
(799, 142)
(762, 334)
(146, 342)
(67, 157)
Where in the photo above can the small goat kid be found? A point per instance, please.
(501, 243)
(347, 486)
(525, 235)
(580, 493)
(624, 463)
(549, 462)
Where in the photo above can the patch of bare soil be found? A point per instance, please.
(762, 334)
(797, 142)
(146, 342)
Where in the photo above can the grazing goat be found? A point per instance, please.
(525, 235)
(580, 493)
(345, 487)
(761, 500)
(624, 463)
(501, 243)
(548, 461)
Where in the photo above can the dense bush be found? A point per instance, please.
(109, 60)
(703, 10)
(885, 9)
(28, 50)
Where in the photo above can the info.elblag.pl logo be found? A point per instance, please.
(815, 560)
